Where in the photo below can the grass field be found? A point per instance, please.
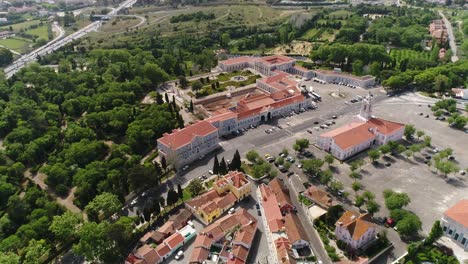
(310, 33)
(41, 32)
(400, 54)
(16, 44)
(23, 25)
(339, 14)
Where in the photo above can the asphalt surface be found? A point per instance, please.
(453, 45)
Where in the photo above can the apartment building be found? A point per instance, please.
(455, 223)
(355, 229)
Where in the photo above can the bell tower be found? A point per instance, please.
(366, 108)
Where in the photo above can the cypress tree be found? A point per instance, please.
(216, 165)
(180, 192)
(236, 161)
(166, 97)
(223, 167)
(163, 163)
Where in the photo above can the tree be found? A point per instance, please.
(236, 162)
(329, 159)
(163, 163)
(427, 141)
(394, 200)
(373, 154)
(191, 106)
(216, 165)
(368, 195)
(303, 143)
(336, 186)
(326, 176)
(400, 148)
(35, 251)
(196, 86)
(9, 258)
(358, 67)
(172, 197)
(385, 149)
(296, 148)
(409, 132)
(154, 73)
(94, 244)
(419, 134)
(355, 175)
(252, 156)
(446, 167)
(105, 204)
(356, 186)
(312, 166)
(223, 167)
(409, 225)
(6, 57)
(180, 191)
(183, 81)
(195, 187)
(408, 153)
(65, 226)
(359, 201)
(372, 207)
(435, 234)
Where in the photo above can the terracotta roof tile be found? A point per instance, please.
(163, 250)
(174, 240)
(384, 126)
(357, 224)
(319, 196)
(240, 252)
(243, 59)
(244, 236)
(202, 240)
(148, 254)
(181, 137)
(281, 193)
(459, 213)
(167, 228)
(199, 255)
(294, 229)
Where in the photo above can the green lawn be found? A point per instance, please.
(339, 14)
(310, 33)
(15, 44)
(23, 25)
(41, 32)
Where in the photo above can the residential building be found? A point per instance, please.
(365, 131)
(183, 146)
(438, 31)
(149, 255)
(6, 34)
(174, 223)
(319, 197)
(455, 223)
(240, 226)
(226, 191)
(336, 76)
(288, 236)
(355, 229)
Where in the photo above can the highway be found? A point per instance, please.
(60, 41)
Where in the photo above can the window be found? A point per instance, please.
(456, 236)
(463, 241)
(444, 228)
(450, 232)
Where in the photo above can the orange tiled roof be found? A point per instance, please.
(222, 117)
(226, 200)
(276, 59)
(181, 137)
(202, 240)
(282, 196)
(199, 255)
(244, 236)
(167, 228)
(174, 240)
(236, 60)
(237, 178)
(459, 212)
(148, 253)
(318, 195)
(294, 228)
(283, 251)
(384, 126)
(240, 252)
(163, 249)
(357, 224)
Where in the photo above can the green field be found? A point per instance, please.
(23, 25)
(310, 33)
(15, 44)
(339, 14)
(41, 32)
(400, 54)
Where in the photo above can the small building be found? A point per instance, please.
(355, 229)
(438, 31)
(460, 93)
(319, 197)
(6, 34)
(282, 196)
(226, 191)
(365, 131)
(455, 223)
(295, 232)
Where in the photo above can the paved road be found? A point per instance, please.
(453, 45)
(60, 41)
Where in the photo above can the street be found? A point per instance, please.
(453, 45)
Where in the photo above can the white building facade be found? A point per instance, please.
(455, 224)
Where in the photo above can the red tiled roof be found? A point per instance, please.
(272, 211)
(294, 228)
(384, 126)
(235, 261)
(163, 250)
(167, 228)
(319, 196)
(238, 179)
(244, 236)
(148, 254)
(357, 224)
(240, 252)
(283, 251)
(202, 199)
(199, 255)
(276, 59)
(459, 212)
(282, 196)
(203, 240)
(184, 136)
(236, 60)
(222, 117)
(174, 240)
(226, 200)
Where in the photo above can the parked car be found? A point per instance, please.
(257, 205)
(232, 210)
(388, 164)
(290, 174)
(179, 255)
(299, 165)
(211, 172)
(185, 167)
(309, 131)
(462, 172)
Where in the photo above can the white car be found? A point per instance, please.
(299, 165)
(232, 210)
(133, 202)
(211, 172)
(462, 172)
(185, 168)
(179, 255)
(190, 223)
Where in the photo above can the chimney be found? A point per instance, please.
(340, 223)
(353, 217)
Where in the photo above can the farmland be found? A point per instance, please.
(400, 54)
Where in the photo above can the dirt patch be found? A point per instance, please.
(296, 47)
